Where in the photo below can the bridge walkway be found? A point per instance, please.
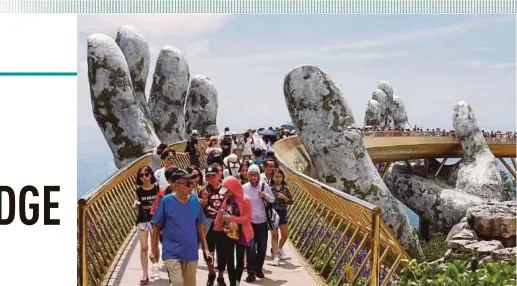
(292, 271)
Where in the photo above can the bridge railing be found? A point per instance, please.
(342, 237)
(106, 220)
(502, 138)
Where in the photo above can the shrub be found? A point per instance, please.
(459, 271)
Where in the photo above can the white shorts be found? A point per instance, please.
(147, 226)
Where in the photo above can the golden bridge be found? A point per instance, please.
(334, 238)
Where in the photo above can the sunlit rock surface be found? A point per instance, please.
(373, 113)
(476, 178)
(136, 52)
(478, 173)
(494, 220)
(167, 98)
(201, 106)
(326, 127)
(399, 114)
(385, 110)
(443, 207)
(114, 105)
(388, 90)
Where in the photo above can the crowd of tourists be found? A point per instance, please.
(229, 211)
(416, 131)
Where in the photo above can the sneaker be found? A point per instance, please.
(281, 254)
(276, 261)
(155, 271)
(211, 279)
(251, 278)
(220, 281)
(260, 274)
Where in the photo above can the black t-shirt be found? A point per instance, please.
(192, 146)
(214, 200)
(146, 198)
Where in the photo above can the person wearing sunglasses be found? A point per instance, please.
(197, 179)
(181, 218)
(168, 157)
(145, 195)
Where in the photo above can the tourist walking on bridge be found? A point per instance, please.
(231, 166)
(182, 219)
(259, 193)
(247, 146)
(145, 195)
(192, 148)
(168, 156)
(211, 201)
(283, 198)
(156, 160)
(234, 219)
(213, 152)
(197, 179)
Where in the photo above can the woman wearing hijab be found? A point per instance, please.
(234, 219)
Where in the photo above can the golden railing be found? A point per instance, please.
(106, 221)
(342, 237)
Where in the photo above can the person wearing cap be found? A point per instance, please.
(231, 166)
(182, 219)
(260, 194)
(192, 148)
(211, 201)
(234, 220)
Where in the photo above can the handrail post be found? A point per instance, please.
(82, 241)
(376, 225)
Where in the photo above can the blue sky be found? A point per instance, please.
(433, 61)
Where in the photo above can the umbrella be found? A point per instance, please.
(267, 133)
(288, 126)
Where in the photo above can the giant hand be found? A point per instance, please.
(327, 129)
(117, 73)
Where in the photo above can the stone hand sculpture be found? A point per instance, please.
(201, 106)
(117, 73)
(385, 110)
(472, 181)
(326, 127)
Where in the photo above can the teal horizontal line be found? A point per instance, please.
(38, 73)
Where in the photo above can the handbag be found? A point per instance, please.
(272, 216)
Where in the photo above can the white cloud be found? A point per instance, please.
(395, 39)
(156, 25)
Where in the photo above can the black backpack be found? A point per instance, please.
(189, 148)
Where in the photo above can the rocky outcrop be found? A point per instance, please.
(136, 52)
(385, 110)
(494, 220)
(115, 108)
(167, 97)
(201, 106)
(326, 127)
(478, 174)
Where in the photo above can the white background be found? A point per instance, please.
(38, 145)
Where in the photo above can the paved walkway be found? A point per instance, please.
(291, 272)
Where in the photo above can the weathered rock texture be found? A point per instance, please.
(136, 52)
(114, 105)
(167, 98)
(385, 110)
(478, 173)
(399, 114)
(494, 220)
(476, 178)
(326, 127)
(201, 106)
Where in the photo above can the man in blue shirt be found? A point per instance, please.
(181, 218)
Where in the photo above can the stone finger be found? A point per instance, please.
(201, 106)
(114, 105)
